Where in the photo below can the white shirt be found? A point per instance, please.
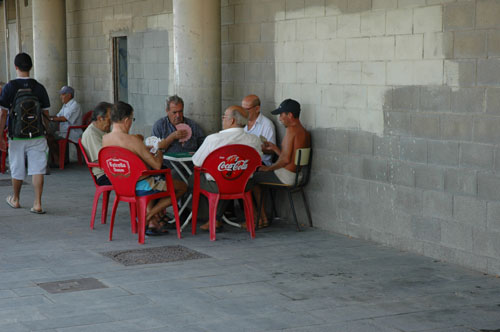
(222, 138)
(73, 113)
(265, 127)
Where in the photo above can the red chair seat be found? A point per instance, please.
(63, 143)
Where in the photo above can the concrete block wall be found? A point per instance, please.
(148, 25)
(403, 101)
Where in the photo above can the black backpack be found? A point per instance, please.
(25, 115)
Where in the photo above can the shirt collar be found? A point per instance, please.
(228, 130)
(71, 102)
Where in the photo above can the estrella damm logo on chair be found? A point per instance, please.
(232, 167)
(118, 167)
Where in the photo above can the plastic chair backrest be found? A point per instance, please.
(87, 162)
(87, 118)
(122, 167)
(231, 166)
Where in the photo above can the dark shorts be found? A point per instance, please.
(266, 177)
(103, 181)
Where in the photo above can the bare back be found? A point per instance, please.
(131, 143)
(296, 137)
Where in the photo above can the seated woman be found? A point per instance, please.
(122, 117)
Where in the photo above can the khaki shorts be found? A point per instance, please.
(35, 150)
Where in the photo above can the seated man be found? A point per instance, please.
(283, 170)
(92, 138)
(233, 121)
(173, 139)
(258, 124)
(69, 115)
(122, 116)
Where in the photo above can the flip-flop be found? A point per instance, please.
(32, 210)
(156, 232)
(8, 200)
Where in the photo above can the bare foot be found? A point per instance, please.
(12, 202)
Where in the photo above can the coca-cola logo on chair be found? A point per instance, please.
(232, 167)
(118, 167)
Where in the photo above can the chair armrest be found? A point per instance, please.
(156, 171)
(93, 164)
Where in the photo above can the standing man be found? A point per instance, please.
(92, 138)
(34, 148)
(283, 170)
(69, 115)
(173, 139)
(258, 124)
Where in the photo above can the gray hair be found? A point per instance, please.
(101, 110)
(240, 119)
(173, 99)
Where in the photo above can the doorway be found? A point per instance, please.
(120, 69)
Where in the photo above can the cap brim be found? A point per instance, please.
(276, 111)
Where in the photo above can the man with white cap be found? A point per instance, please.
(69, 115)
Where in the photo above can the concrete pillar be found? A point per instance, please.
(197, 60)
(49, 47)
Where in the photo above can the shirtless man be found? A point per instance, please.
(283, 170)
(122, 117)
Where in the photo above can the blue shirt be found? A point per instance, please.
(163, 127)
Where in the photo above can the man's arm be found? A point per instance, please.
(165, 143)
(285, 154)
(3, 120)
(153, 161)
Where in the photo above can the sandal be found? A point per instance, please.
(162, 230)
(263, 224)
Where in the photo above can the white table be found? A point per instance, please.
(178, 161)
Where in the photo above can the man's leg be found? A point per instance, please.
(16, 188)
(37, 180)
(17, 170)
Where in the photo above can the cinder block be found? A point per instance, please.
(488, 72)
(401, 173)
(306, 73)
(437, 204)
(373, 73)
(486, 242)
(493, 216)
(487, 186)
(401, 73)
(427, 19)
(429, 177)
(443, 153)
(327, 73)
(382, 194)
(399, 22)
(338, 140)
(409, 47)
(353, 166)
(326, 27)
(386, 146)
(425, 125)
(476, 155)
(459, 15)
(356, 6)
(373, 23)
(460, 181)
(332, 95)
(413, 149)
(355, 96)
(397, 123)
(426, 229)
(287, 72)
(406, 99)
(350, 72)
(310, 95)
(493, 42)
(227, 15)
(469, 210)
(497, 160)
(411, 3)
(349, 25)
(460, 73)
(468, 100)
(382, 48)
(375, 169)
(486, 129)
(384, 4)
(334, 50)
(435, 99)
(409, 200)
(487, 14)
(306, 29)
(314, 8)
(241, 52)
(438, 45)
(335, 7)
(360, 142)
(456, 235)
(313, 50)
(379, 97)
(357, 190)
(286, 30)
(428, 72)
(456, 127)
(470, 44)
(357, 49)
(294, 9)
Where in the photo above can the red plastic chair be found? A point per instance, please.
(4, 153)
(123, 168)
(63, 143)
(104, 190)
(231, 166)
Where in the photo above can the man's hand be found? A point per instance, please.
(263, 168)
(3, 145)
(179, 134)
(268, 147)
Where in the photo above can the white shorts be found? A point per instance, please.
(36, 150)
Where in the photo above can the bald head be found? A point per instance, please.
(235, 116)
(252, 104)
